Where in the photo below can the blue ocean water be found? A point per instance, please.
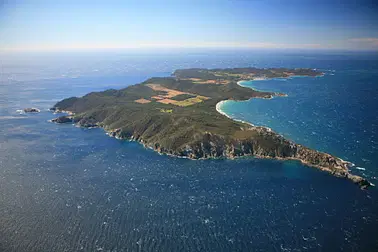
(336, 113)
(64, 188)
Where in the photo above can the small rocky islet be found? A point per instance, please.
(30, 110)
(177, 116)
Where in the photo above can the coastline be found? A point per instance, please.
(221, 103)
(346, 164)
(232, 147)
(257, 79)
(219, 110)
(344, 173)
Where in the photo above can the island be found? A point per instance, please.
(178, 116)
(31, 110)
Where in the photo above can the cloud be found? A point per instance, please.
(365, 41)
(175, 44)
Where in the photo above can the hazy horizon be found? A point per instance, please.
(27, 25)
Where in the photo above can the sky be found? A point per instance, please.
(307, 24)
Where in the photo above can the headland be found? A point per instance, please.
(180, 116)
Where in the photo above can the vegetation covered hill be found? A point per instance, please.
(177, 115)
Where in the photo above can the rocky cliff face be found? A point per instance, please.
(214, 146)
(261, 142)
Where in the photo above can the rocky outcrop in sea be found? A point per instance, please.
(31, 110)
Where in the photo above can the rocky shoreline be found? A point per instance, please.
(197, 130)
(213, 146)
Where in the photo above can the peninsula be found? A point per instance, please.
(177, 116)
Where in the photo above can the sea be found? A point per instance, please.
(64, 188)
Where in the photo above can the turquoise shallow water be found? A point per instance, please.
(64, 188)
(335, 113)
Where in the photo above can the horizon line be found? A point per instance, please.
(139, 48)
(192, 45)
